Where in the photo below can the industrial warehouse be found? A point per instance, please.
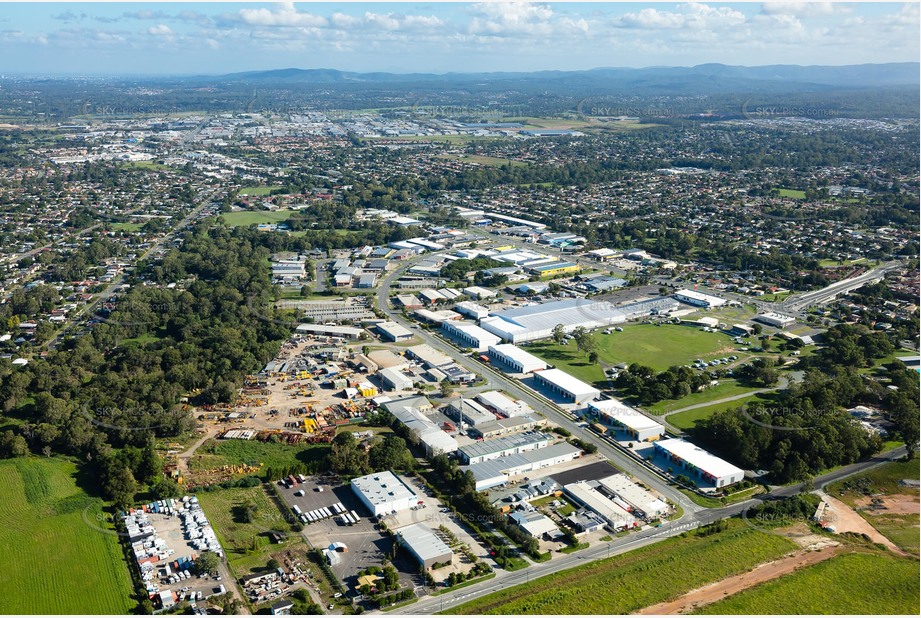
(706, 466)
(500, 447)
(424, 545)
(636, 425)
(471, 335)
(496, 471)
(516, 359)
(383, 493)
(561, 383)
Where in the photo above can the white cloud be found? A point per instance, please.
(691, 16)
(805, 9)
(160, 30)
(285, 16)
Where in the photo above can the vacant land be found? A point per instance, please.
(897, 515)
(484, 160)
(249, 217)
(639, 578)
(687, 419)
(243, 519)
(849, 584)
(727, 387)
(258, 190)
(60, 555)
(217, 453)
(127, 227)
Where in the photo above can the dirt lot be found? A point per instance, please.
(899, 504)
(845, 519)
(716, 591)
(804, 537)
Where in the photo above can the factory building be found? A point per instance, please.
(640, 501)
(395, 380)
(391, 331)
(383, 493)
(707, 467)
(322, 330)
(501, 447)
(470, 335)
(470, 412)
(699, 299)
(637, 425)
(424, 545)
(497, 401)
(538, 321)
(535, 524)
(410, 411)
(561, 383)
(586, 494)
(494, 472)
(777, 320)
(516, 359)
(505, 426)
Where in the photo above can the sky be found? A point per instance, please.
(151, 38)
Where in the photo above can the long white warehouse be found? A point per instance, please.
(701, 463)
(470, 334)
(699, 299)
(561, 383)
(637, 425)
(516, 359)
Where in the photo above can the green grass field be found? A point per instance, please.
(794, 193)
(258, 190)
(217, 453)
(484, 160)
(658, 347)
(852, 584)
(60, 556)
(639, 578)
(727, 387)
(127, 227)
(686, 420)
(249, 217)
(247, 544)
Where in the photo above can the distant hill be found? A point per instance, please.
(704, 77)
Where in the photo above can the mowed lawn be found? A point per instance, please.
(249, 217)
(639, 578)
(258, 190)
(60, 556)
(688, 418)
(216, 453)
(659, 347)
(869, 584)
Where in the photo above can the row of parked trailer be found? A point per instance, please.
(325, 513)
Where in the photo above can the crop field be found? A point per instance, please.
(639, 578)
(249, 217)
(247, 543)
(60, 556)
(216, 453)
(850, 584)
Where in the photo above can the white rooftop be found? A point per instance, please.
(698, 457)
(632, 418)
(382, 488)
(423, 541)
(566, 382)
